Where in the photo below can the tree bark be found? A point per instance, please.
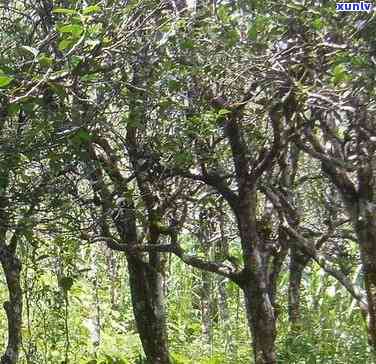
(13, 307)
(259, 309)
(145, 278)
(366, 231)
(356, 184)
(224, 313)
(12, 271)
(206, 305)
(360, 205)
(297, 265)
(262, 323)
(147, 298)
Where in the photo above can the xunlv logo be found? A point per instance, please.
(361, 6)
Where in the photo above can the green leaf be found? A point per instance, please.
(318, 24)
(258, 26)
(232, 37)
(28, 107)
(223, 112)
(5, 80)
(84, 136)
(13, 109)
(339, 74)
(183, 158)
(80, 137)
(295, 6)
(359, 60)
(65, 11)
(74, 29)
(76, 61)
(252, 32)
(64, 44)
(223, 13)
(187, 44)
(45, 60)
(173, 85)
(91, 9)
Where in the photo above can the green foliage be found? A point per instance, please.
(339, 74)
(108, 69)
(323, 337)
(5, 80)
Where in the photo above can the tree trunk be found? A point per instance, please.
(13, 308)
(145, 277)
(259, 309)
(222, 252)
(262, 323)
(147, 299)
(366, 232)
(224, 313)
(206, 306)
(274, 270)
(361, 209)
(297, 265)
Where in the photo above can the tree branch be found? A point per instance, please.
(189, 259)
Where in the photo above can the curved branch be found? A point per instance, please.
(211, 179)
(189, 259)
(308, 249)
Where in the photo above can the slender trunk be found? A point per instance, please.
(205, 291)
(366, 232)
(360, 202)
(224, 313)
(362, 213)
(95, 317)
(297, 265)
(147, 299)
(364, 224)
(222, 252)
(13, 308)
(296, 271)
(223, 300)
(112, 273)
(206, 306)
(274, 270)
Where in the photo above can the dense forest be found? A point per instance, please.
(187, 182)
